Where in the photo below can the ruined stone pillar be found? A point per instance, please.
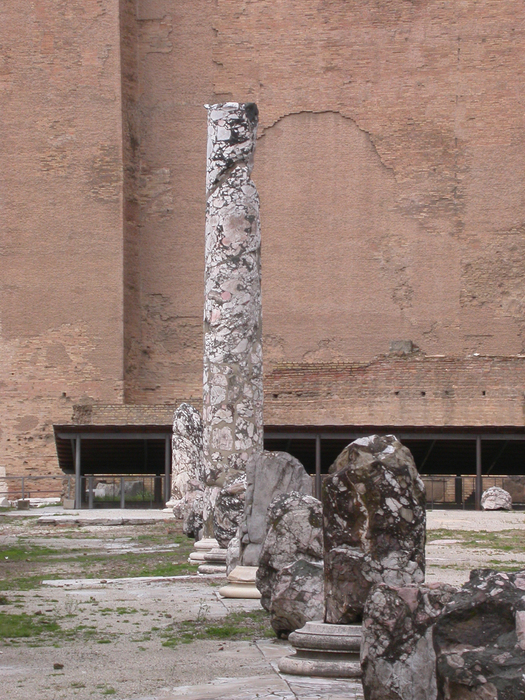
(232, 391)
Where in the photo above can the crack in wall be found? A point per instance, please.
(263, 129)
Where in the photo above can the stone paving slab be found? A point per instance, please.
(55, 515)
(78, 583)
(270, 686)
(488, 521)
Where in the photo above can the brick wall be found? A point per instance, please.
(391, 169)
(415, 390)
(61, 221)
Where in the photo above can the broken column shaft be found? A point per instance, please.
(232, 381)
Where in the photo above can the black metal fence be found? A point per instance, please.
(446, 491)
(149, 490)
(96, 491)
(31, 486)
(115, 491)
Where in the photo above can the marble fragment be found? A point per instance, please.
(397, 653)
(233, 553)
(187, 470)
(268, 475)
(193, 512)
(479, 639)
(297, 597)
(290, 575)
(373, 524)
(496, 498)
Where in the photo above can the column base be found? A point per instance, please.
(200, 548)
(328, 651)
(214, 562)
(241, 584)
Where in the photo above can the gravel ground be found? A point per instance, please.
(112, 634)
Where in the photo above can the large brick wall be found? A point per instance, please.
(414, 390)
(391, 169)
(61, 221)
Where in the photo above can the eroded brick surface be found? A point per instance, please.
(390, 168)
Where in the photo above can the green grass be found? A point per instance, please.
(504, 540)
(126, 611)
(15, 626)
(29, 552)
(236, 626)
(23, 583)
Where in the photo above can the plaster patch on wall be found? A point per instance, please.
(154, 35)
(106, 173)
(326, 351)
(495, 277)
(155, 192)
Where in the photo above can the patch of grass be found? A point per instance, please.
(25, 583)
(26, 552)
(504, 540)
(167, 569)
(28, 563)
(21, 625)
(236, 626)
(509, 566)
(126, 611)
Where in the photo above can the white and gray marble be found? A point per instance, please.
(187, 468)
(232, 386)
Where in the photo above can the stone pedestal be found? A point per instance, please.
(214, 562)
(200, 548)
(329, 651)
(241, 583)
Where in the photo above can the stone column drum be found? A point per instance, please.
(232, 381)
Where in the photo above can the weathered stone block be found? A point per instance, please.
(268, 475)
(397, 653)
(373, 524)
(229, 508)
(495, 498)
(290, 576)
(480, 639)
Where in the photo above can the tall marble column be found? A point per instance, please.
(232, 382)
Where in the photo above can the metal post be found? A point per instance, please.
(90, 492)
(157, 486)
(78, 485)
(23, 490)
(458, 490)
(318, 467)
(479, 480)
(167, 464)
(122, 493)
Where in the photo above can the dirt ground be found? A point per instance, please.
(84, 614)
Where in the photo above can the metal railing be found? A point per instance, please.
(116, 491)
(35, 486)
(148, 490)
(96, 491)
(445, 490)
